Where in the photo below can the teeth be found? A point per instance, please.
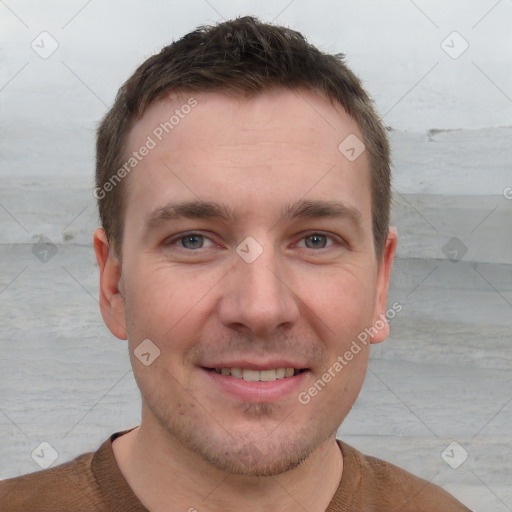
(251, 375)
(255, 375)
(236, 372)
(267, 375)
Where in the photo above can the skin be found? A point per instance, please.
(198, 446)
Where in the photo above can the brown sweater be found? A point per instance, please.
(94, 483)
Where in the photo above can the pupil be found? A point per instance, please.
(317, 240)
(192, 241)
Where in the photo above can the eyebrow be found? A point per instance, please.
(316, 209)
(305, 209)
(191, 210)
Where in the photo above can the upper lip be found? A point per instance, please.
(257, 366)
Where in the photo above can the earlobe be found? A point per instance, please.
(380, 326)
(111, 299)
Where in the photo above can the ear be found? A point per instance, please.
(380, 324)
(111, 300)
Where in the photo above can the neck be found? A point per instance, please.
(166, 476)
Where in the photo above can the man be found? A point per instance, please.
(243, 185)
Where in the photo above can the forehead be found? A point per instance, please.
(252, 153)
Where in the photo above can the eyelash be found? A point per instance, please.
(177, 238)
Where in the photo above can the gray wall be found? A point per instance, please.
(444, 374)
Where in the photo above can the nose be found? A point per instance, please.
(257, 297)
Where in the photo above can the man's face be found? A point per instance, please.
(295, 294)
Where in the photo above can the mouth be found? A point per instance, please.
(251, 375)
(256, 383)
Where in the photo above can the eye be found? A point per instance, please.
(190, 241)
(317, 241)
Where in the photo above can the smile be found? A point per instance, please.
(250, 375)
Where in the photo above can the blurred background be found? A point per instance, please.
(437, 400)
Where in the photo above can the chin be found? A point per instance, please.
(254, 459)
(255, 445)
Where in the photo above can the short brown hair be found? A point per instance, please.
(242, 56)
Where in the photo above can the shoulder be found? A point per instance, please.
(393, 488)
(57, 489)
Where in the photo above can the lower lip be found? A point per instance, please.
(258, 391)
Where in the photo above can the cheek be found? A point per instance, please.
(157, 309)
(343, 299)
(164, 303)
